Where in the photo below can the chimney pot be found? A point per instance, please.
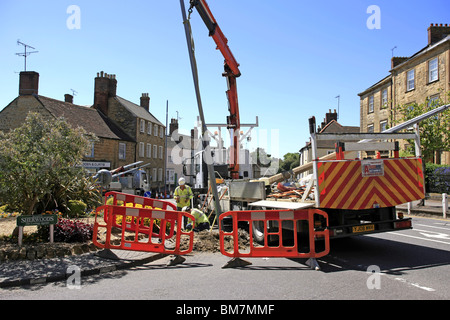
(105, 87)
(437, 32)
(68, 98)
(28, 83)
(145, 101)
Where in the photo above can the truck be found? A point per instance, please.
(125, 179)
(359, 196)
(353, 196)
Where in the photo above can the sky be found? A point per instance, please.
(295, 56)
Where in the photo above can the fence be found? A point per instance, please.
(307, 230)
(138, 226)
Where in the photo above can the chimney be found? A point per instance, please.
(437, 32)
(173, 126)
(105, 88)
(68, 98)
(395, 61)
(330, 116)
(28, 83)
(145, 101)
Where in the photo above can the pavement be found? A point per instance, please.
(33, 272)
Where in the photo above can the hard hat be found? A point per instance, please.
(181, 181)
(186, 209)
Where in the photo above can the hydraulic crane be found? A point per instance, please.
(231, 72)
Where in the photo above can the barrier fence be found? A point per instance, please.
(140, 225)
(150, 225)
(307, 230)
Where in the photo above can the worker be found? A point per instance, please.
(183, 194)
(201, 220)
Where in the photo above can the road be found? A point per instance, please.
(410, 264)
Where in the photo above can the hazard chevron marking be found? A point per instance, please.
(341, 184)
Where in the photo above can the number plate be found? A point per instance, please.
(364, 228)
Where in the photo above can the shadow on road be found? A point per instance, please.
(392, 257)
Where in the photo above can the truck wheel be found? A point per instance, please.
(258, 231)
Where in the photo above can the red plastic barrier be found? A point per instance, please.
(291, 250)
(133, 237)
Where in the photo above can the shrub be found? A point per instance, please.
(68, 231)
(76, 208)
(437, 178)
(40, 166)
(72, 231)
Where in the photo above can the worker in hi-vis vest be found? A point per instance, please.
(183, 194)
(201, 220)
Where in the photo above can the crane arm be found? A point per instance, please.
(216, 33)
(231, 72)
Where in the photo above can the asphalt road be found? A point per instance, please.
(405, 265)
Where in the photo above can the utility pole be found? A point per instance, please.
(26, 53)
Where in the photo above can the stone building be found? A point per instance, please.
(137, 122)
(103, 154)
(127, 132)
(422, 77)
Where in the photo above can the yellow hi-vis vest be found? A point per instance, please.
(199, 216)
(185, 196)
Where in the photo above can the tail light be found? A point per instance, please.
(402, 224)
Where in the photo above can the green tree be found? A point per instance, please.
(289, 162)
(40, 166)
(433, 131)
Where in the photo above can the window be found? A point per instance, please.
(160, 174)
(433, 74)
(383, 125)
(370, 128)
(155, 133)
(384, 98)
(161, 132)
(149, 150)
(160, 152)
(155, 151)
(141, 149)
(122, 151)
(410, 80)
(142, 125)
(433, 101)
(149, 128)
(170, 176)
(90, 153)
(370, 104)
(154, 175)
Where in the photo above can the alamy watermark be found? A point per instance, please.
(374, 280)
(74, 278)
(261, 148)
(74, 20)
(374, 20)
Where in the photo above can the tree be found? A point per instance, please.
(40, 165)
(289, 162)
(433, 131)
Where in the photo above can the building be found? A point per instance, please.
(127, 132)
(329, 125)
(422, 77)
(136, 121)
(104, 154)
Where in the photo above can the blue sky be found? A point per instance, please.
(295, 56)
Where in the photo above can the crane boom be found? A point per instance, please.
(231, 72)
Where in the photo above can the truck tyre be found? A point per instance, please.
(258, 231)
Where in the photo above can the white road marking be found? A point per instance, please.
(420, 238)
